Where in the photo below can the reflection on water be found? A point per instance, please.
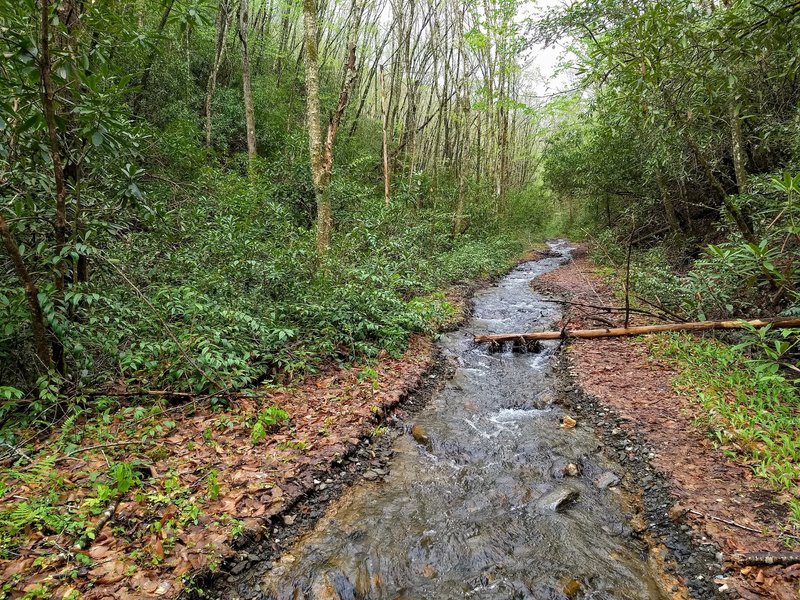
(484, 510)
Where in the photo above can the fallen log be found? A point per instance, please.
(782, 322)
(767, 558)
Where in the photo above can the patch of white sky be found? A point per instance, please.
(544, 71)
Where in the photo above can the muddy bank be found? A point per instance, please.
(702, 506)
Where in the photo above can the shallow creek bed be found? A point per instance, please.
(486, 487)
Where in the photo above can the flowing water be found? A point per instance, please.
(470, 515)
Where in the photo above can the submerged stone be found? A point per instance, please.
(607, 480)
(558, 499)
(421, 436)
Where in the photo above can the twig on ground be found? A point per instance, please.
(597, 319)
(726, 521)
(86, 539)
(132, 393)
(767, 558)
(18, 452)
(96, 447)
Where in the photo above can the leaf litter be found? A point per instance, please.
(717, 496)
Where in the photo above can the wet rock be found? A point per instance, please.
(607, 480)
(239, 567)
(558, 499)
(370, 475)
(572, 588)
(677, 512)
(421, 436)
(459, 380)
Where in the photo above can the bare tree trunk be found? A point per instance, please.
(322, 152)
(737, 147)
(222, 30)
(38, 327)
(314, 126)
(669, 208)
(384, 121)
(283, 41)
(463, 171)
(48, 106)
(249, 112)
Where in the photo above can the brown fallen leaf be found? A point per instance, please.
(109, 572)
(568, 422)
(157, 548)
(99, 552)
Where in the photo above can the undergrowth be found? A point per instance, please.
(752, 413)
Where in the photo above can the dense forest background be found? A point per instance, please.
(165, 225)
(680, 153)
(197, 195)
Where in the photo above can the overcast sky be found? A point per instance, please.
(541, 64)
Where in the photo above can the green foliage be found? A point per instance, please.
(682, 134)
(772, 350)
(734, 278)
(270, 419)
(750, 411)
(213, 484)
(180, 271)
(123, 477)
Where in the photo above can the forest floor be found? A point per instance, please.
(210, 500)
(202, 492)
(628, 394)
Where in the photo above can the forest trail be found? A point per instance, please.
(488, 496)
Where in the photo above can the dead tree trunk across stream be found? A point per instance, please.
(780, 322)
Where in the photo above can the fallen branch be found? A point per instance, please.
(134, 393)
(610, 309)
(783, 322)
(96, 447)
(767, 558)
(726, 521)
(86, 539)
(18, 452)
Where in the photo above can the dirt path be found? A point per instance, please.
(629, 397)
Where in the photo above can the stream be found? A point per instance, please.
(483, 502)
